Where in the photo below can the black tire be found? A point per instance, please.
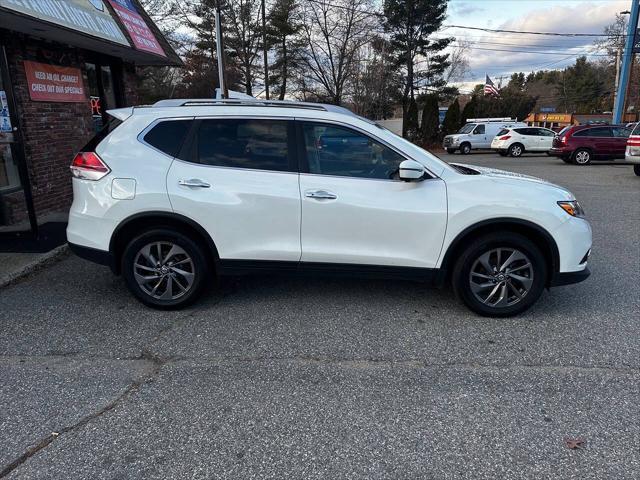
(451, 151)
(516, 150)
(465, 148)
(582, 156)
(566, 159)
(502, 153)
(636, 170)
(198, 267)
(470, 259)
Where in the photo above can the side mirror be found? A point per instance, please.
(411, 171)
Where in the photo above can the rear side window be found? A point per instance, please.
(504, 131)
(523, 131)
(168, 135)
(594, 132)
(237, 143)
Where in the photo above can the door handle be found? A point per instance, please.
(194, 182)
(321, 195)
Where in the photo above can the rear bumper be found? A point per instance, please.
(567, 278)
(94, 255)
(560, 152)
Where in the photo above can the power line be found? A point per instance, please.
(554, 34)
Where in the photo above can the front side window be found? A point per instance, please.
(239, 143)
(479, 130)
(339, 151)
(468, 128)
(543, 132)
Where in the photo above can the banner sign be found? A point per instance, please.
(52, 83)
(142, 36)
(87, 16)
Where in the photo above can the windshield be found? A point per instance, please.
(468, 128)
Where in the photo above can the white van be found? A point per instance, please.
(478, 133)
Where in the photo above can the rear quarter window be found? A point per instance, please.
(504, 131)
(168, 135)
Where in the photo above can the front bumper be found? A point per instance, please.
(567, 278)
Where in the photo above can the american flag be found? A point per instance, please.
(490, 88)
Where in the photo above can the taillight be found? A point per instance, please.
(506, 137)
(89, 166)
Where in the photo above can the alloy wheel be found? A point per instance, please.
(164, 270)
(516, 151)
(582, 157)
(501, 277)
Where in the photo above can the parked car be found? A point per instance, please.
(583, 143)
(515, 141)
(477, 134)
(172, 194)
(632, 153)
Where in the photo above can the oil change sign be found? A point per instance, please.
(142, 36)
(53, 83)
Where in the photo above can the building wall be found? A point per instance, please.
(52, 132)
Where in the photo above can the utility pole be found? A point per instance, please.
(618, 54)
(264, 50)
(219, 53)
(627, 61)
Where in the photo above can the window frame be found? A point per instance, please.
(304, 162)
(189, 151)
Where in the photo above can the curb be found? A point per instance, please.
(43, 261)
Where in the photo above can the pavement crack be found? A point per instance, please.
(156, 366)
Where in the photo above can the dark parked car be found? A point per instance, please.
(583, 143)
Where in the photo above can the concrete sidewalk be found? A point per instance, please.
(14, 266)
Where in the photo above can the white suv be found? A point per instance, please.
(187, 189)
(515, 141)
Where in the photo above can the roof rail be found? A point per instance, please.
(495, 119)
(207, 102)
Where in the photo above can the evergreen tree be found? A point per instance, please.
(410, 123)
(452, 118)
(469, 110)
(282, 30)
(410, 24)
(429, 127)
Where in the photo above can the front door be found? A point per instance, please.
(241, 184)
(356, 211)
(15, 197)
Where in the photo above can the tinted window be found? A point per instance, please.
(621, 132)
(333, 150)
(594, 132)
(256, 144)
(523, 131)
(636, 129)
(468, 128)
(168, 135)
(504, 131)
(479, 130)
(543, 132)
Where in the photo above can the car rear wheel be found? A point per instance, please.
(165, 269)
(465, 148)
(636, 170)
(500, 274)
(582, 156)
(516, 150)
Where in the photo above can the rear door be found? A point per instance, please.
(354, 208)
(526, 137)
(620, 137)
(545, 139)
(237, 177)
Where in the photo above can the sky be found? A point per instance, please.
(566, 16)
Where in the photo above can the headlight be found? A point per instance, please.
(573, 208)
(456, 140)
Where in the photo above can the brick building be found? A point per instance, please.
(63, 63)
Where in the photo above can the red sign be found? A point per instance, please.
(143, 38)
(52, 83)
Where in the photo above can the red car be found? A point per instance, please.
(583, 143)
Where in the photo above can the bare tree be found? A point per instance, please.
(334, 31)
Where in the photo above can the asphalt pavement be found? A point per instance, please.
(325, 379)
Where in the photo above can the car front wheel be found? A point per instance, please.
(465, 149)
(500, 275)
(165, 269)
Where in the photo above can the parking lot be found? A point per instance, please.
(320, 378)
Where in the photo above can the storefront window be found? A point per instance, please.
(102, 94)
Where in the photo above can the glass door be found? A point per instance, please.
(16, 216)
